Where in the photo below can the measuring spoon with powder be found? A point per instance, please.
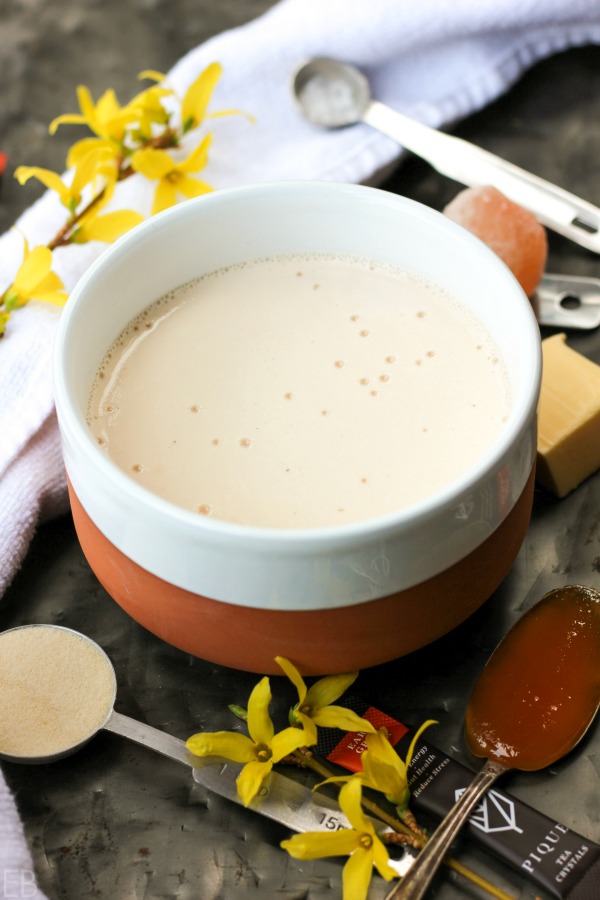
(57, 690)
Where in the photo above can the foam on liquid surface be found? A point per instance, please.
(300, 392)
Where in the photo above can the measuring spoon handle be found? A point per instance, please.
(150, 737)
(468, 164)
(414, 884)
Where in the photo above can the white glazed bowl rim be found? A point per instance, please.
(99, 484)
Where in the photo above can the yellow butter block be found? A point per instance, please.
(568, 417)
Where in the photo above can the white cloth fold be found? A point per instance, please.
(17, 876)
(436, 61)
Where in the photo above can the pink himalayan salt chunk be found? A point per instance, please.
(508, 229)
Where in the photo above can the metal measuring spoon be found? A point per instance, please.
(65, 683)
(334, 94)
(534, 701)
(58, 689)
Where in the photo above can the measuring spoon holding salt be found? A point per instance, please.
(57, 690)
(334, 94)
(533, 702)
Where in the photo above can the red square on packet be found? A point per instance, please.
(348, 751)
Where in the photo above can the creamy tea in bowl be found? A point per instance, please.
(300, 392)
(299, 419)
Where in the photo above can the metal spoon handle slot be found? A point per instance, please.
(419, 877)
(556, 208)
(568, 301)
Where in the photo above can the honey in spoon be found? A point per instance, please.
(533, 702)
(540, 689)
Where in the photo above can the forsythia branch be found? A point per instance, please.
(135, 139)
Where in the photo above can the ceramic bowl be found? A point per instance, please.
(330, 599)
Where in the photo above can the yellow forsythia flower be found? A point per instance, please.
(35, 281)
(197, 97)
(4, 317)
(152, 74)
(173, 177)
(106, 118)
(260, 751)
(383, 770)
(149, 111)
(314, 705)
(93, 169)
(360, 843)
(107, 227)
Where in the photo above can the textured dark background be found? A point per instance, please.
(117, 821)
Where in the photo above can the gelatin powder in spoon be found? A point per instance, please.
(57, 689)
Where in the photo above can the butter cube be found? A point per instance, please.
(568, 417)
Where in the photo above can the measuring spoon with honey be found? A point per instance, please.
(533, 702)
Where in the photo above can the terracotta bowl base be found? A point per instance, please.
(319, 642)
